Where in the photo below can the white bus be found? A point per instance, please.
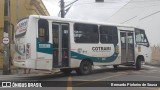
(45, 42)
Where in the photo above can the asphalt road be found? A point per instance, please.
(147, 73)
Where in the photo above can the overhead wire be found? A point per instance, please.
(120, 6)
(117, 2)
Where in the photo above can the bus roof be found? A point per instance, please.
(80, 21)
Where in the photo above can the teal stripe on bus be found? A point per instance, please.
(44, 50)
(78, 56)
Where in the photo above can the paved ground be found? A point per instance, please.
(148, 73)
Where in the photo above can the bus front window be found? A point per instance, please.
(141, 37)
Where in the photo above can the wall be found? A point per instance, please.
(2, 13)
(155, 55)
(25, 8)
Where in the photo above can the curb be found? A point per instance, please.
(32, 75)
(151, 64)
(25, 77)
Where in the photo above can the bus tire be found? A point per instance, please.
(78, 71)
(138, 64)
(115, 67)
(66, 71)
(85, 68)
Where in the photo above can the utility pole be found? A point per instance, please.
(17, 10)
(62, 9)
(6, 61)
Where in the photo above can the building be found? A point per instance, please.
(18, 10)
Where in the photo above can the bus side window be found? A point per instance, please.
(86, 33)
(65, 30)
(55, 35)
(108, 34)
(43, 31)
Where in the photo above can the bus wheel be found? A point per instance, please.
(115, 67)
(138, 64)
(78, 71)
(85, 68)
(66, 71)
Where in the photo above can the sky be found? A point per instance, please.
(91, 11)
(52, 6)
(81, 8)
(88, 5)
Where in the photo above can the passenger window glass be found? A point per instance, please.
(55, 35)
(43, 30)
(65, 30)
(108, 34)
(86, 33)
(130, 38)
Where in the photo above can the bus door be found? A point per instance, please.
(60, 35)
(127, 47)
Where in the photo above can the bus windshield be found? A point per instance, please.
(141, 37)
(21, 28)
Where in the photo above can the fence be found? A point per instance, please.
(155, 54)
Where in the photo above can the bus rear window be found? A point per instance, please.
(43, 30)
(21, 28)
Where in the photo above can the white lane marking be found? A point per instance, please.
(157, 89)
(150, 88)
(97, 79)
(150, 66)
(150, 76)
(96, 67)
(108, 77)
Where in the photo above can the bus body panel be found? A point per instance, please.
(143, 51)
(41, 55)
(74, 63)
(44, 51)
(20, 42)
(99, 53)
(30, 43)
